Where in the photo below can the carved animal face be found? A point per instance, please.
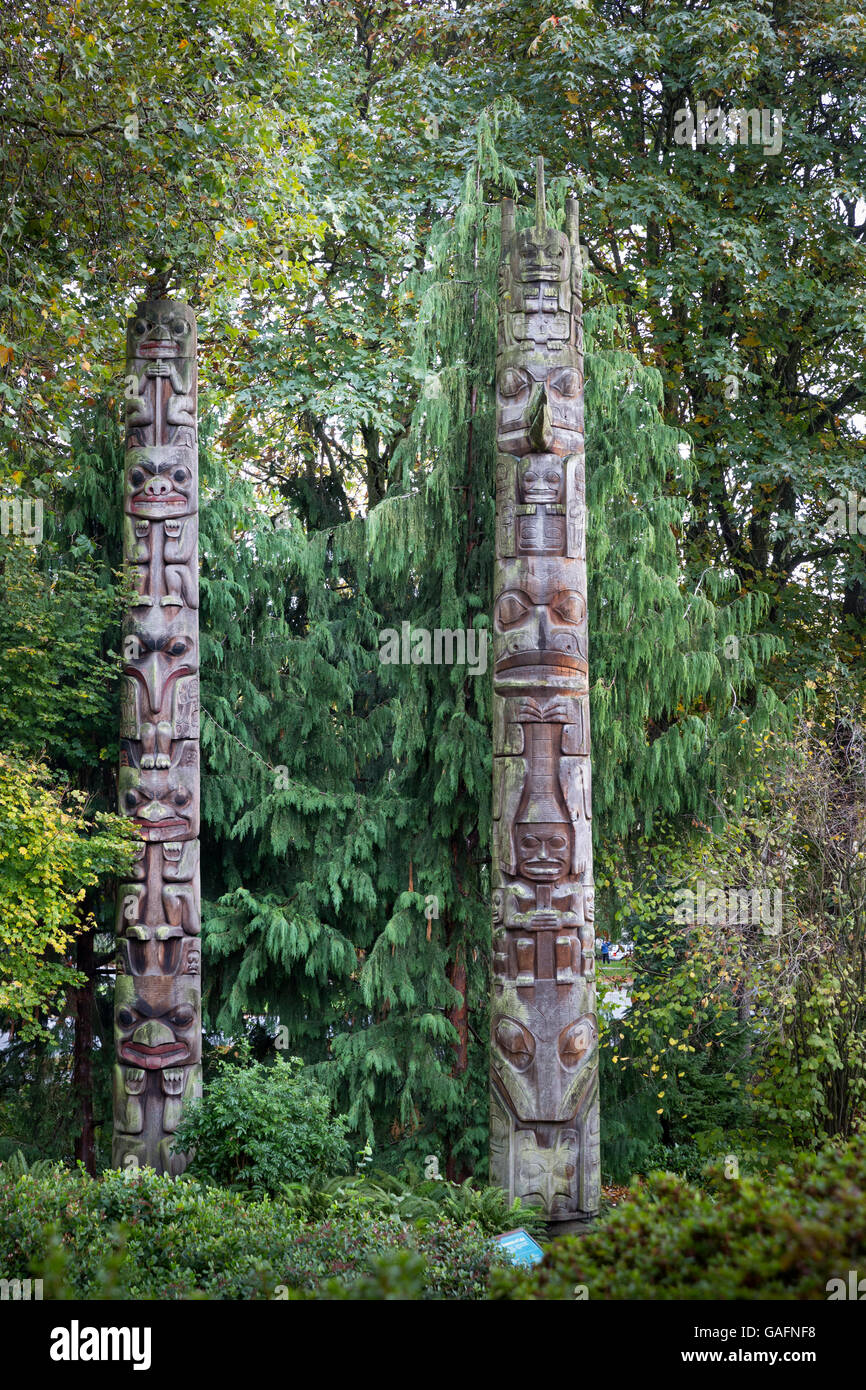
(537, 636)
(546, 1177)
(162, 802)
(540, 1063)
(161, 328)
(157, 1021)
(158, 649)
(540, 408)
(161, 482)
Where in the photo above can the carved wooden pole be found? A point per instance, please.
(544, 1040)
(158, 984)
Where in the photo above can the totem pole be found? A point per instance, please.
(544, 1145)
(158, 983)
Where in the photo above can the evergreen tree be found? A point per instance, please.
(351, 798)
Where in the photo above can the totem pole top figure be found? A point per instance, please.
(161, 393)
(161, 328)
(539, 384)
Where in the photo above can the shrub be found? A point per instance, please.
(258, 1127)
(143, 1236)
(746, 1240)
(414, 1200)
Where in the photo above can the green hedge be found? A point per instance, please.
(153, 1237)
(744, 1240)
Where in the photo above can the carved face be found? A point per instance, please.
(540, 408)
(162, 802)
(158, 649)
(161, 328)
(543, 851)
(161, 482)
(157, 1021)
(544, 259)
(546, 1177)
(541, 1064)
(541, 478)
(537, 636)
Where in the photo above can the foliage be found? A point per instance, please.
(748, 1240)
(52, 849)
(56, 685)
(742, 1021)
(141, 149)
(418, 1200)
(146, 1236)
(16, 1165)
(259, 1126)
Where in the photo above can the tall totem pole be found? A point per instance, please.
(158, 983)
(544, 1141)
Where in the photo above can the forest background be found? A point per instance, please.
(321, 181)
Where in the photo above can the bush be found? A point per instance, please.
(747, 1240)
(145, 1236)
(414, 1200)
(259, 1127)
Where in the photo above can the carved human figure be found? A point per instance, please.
(160, 375)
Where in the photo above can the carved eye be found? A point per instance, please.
(183, 1016)
(516, 1042)
(566, 381)
(141, 327)
(552, 477)
(511, 610)
(513, 381)
(180, 475)
(178, 647)
(179, 327)
(530, 476)
(181, 797)
(137, 477)
(575, 1041)
(131, 800)
(125, 1018)
(569, 607)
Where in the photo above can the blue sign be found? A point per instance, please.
(521, 1248)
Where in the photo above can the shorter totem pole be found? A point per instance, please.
(158, 983)
(544, 1138)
